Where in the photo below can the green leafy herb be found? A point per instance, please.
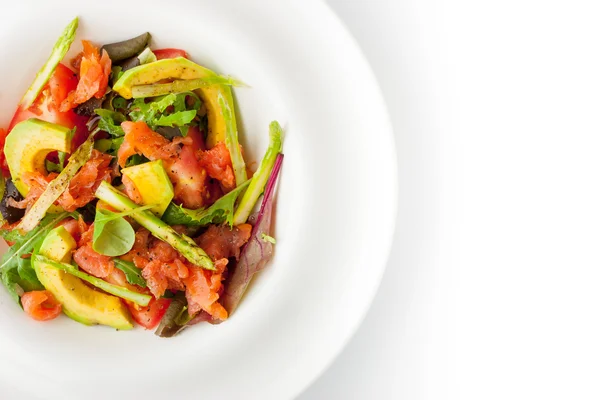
(113, 235)
(61, 47)
(110, 121)
(57, 186)
(261, 176)
(117, 72)
(132, 273)
(178, 110)
(13, 283)
(28, 276)
(221, 211)
(267, 238)
(119, 291)
(25, 244)
(177, 119)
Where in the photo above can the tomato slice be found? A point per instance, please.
(41, 305)
(169, 53)
(150, 316)
(46, 107)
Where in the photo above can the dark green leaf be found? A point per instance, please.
(117, 72)
(119, 103)
(110, 121)
(132, 273)
(116, 237)
(62, 157)
(221, 211)
(53, 167)
(136, 159)
(12, 281)
(28, 276)
(177, 119)
(169, 110)
(113, 234)
(109, 146)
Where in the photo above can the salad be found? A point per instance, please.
(126, 198)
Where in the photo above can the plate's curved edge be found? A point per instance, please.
(385, 255)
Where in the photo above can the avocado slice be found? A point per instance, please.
(80, 302)
(28, 144)
(153, 183)
(182, 68)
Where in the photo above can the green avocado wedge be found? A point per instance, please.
(28, 144)
(216, 95)
(79, 301)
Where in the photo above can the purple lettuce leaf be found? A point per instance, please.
(258, 251)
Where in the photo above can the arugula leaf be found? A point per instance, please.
(11, 263)
(170, 110)
(25, 244)
(177, 119)
(132, 273)
(110, 121)
(28, 276)
(221, 211)
(113, 235)
(12, 281)
(21, 278)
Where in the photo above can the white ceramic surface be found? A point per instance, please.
(335, 211)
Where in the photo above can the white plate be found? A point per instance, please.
(335, 211)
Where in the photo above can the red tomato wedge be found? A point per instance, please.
(169, 53)
(150, 316)
(41, 305)
(46, 107)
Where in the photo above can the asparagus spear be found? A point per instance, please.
(160, 229)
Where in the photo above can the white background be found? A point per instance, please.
(493, 287)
